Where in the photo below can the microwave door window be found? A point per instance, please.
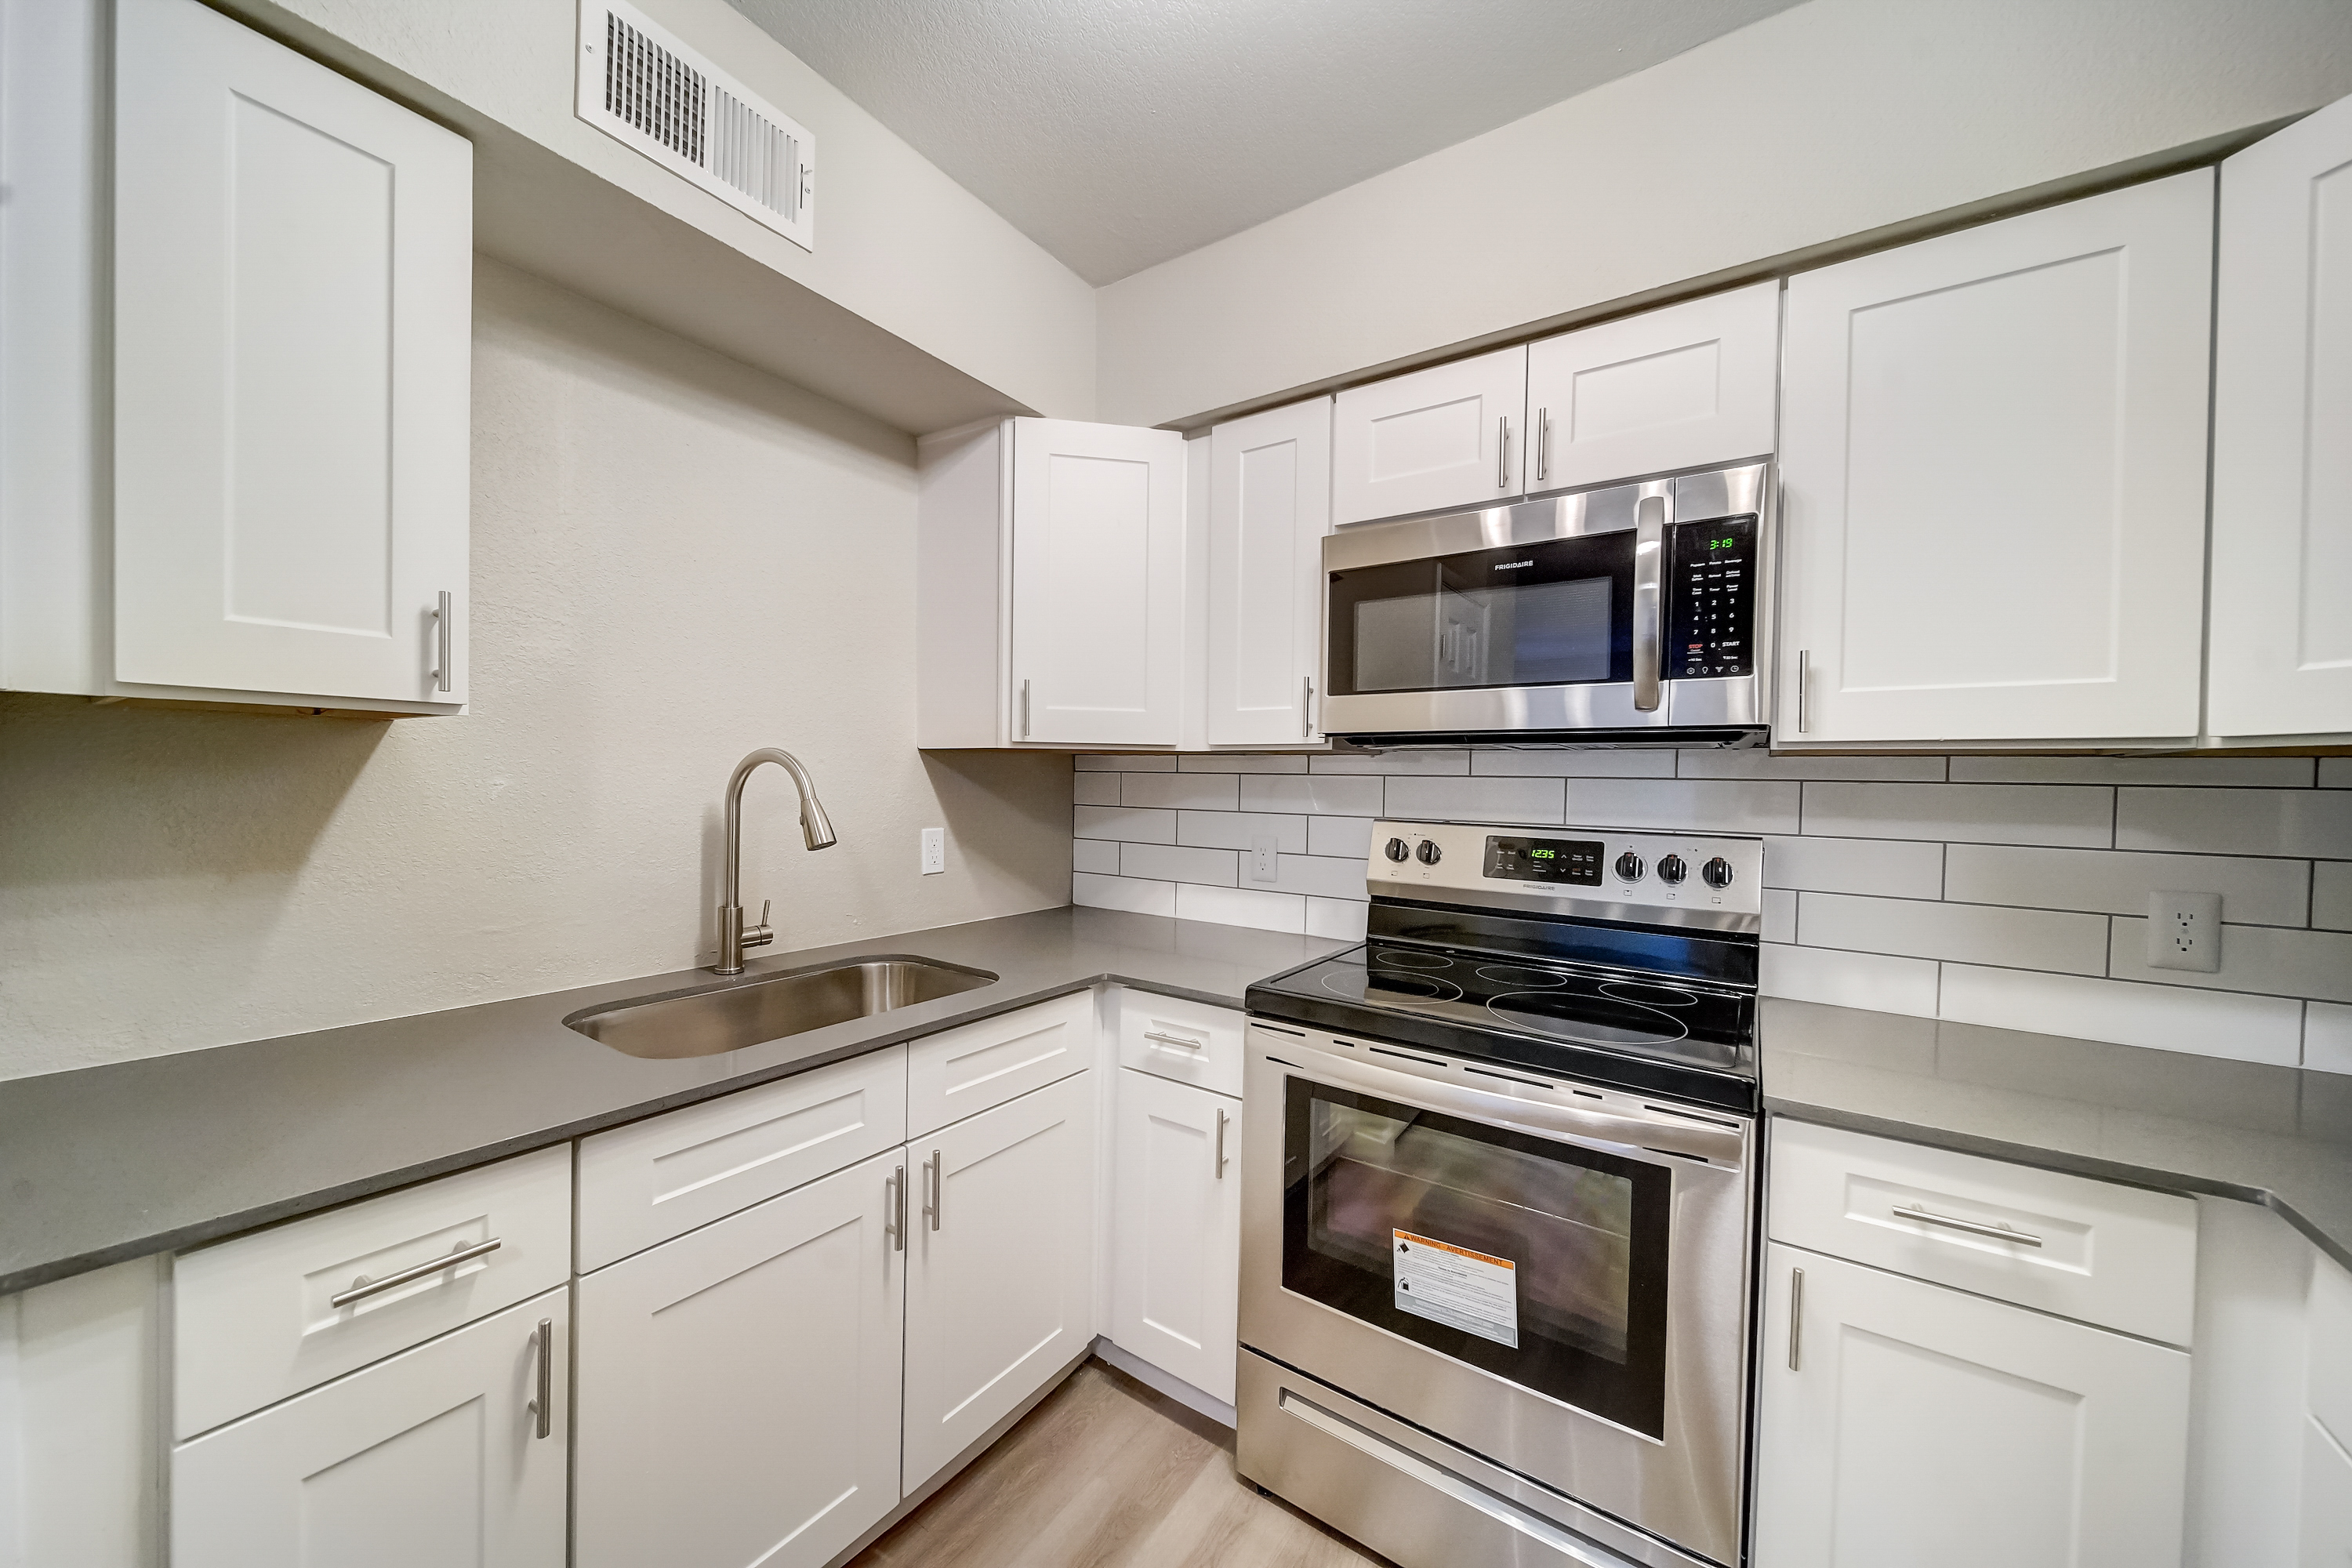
(1547, 615)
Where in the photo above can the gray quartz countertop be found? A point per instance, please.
(109, 1162)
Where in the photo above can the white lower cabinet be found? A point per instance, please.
(438, 1455)
(738, 1386)
(1900, 1422)
(999, 1266)
(1176, 1229)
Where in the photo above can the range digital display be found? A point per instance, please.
(1574, 860)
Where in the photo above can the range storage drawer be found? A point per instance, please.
(665, 1175)
(255, 1318)
(965, 1071)
(2120, 1257)
(1189, 1042)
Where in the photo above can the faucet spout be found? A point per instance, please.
(816, 832)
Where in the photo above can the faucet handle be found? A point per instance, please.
(758, 935)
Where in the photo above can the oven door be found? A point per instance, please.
(1550, 1276)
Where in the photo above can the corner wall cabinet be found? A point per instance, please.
(1992, 451)
(280, 372)
(1269, 508)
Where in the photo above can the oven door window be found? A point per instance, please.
(1541, 1262)
(1554, 614)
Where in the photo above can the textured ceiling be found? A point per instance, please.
(1117, 134)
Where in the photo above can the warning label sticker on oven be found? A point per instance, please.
(1455, 1286)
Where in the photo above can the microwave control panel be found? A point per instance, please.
(1711, 617)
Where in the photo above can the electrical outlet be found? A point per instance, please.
(935, 850)
(2184, 932)
(1266, 859)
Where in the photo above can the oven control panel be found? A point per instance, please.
(1674, 879)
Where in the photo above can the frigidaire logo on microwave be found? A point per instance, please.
(1513, 565)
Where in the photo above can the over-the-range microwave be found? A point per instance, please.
(1632, 615)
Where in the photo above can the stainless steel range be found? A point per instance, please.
(1497, 1203)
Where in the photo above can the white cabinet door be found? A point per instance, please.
(738, 1386)
(1000, 1282)
(1928, 1427)
(292, 332)
(2280, 656)
(1993, 467)
(2327, 1523)
(1098, 584)
(1689, 385)
(437, 1455)
(1269, 508)
(1176, 1229)
(1452, 436)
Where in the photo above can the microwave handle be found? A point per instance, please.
(1649, 577)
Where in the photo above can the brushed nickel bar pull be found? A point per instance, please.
(543, 1404)
(1974, 1227)
(1024, 710)
(894, 1208)
(1221, 1145)
(1796, 1314)
(1543, 444)
(1804, 679)
(363, 1287)
(441, 619)
(1307, 709)
(1175, 1041)
(1502, 448)
(935, 1182)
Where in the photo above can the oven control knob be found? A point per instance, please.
(1429, 853)
(1631, 866)
(1718, 872)
(1398, 849)
(1672, 869)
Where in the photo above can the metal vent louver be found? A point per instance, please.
(641, 86)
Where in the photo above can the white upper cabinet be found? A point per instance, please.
(1993, 467)
(1683, 388)
(2281, 653)
(1050, 595)
(292, 286)
(1269, 508)
(1452, 436)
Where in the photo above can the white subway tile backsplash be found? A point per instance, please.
(1890, 867)
(2328, 1038)
(2335, 772)
(1188, 792)
(1128, 827)
(1971, 933)
(1765, 765)
(2118, 881)
(1174, 863)
(1094, 789)
(1476, 800)
(1552, 764)
(1335, 918)
(1241, 907)
(1323, 877)
(1851, 979)
(2248, 1028)
(1313, 793)
(1348, 836)
(2331, 895)
(1702, 806)
(2314, 964)
(2304, 822)
(1780, 915)
(1237, 829)
(1100, 855)
(1391, 764)
(1242, 763)
(2279, 772)
(1974, 814)
(1123, 893)
(1152, 762)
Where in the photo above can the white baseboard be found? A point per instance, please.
(1174, 1387)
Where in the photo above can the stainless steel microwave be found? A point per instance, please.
(1631, 615)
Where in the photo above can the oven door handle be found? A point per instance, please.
(1628, 1136)
(1649, 577)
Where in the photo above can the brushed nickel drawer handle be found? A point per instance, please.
(1175, 1041)
(1974, 1227)
(363, 1287)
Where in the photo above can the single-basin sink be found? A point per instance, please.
(729, 1017)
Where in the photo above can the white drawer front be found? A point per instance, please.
(1189, 1042)
(665, 1175)
(2111, 1254)
(964, 1071)
(252, 1317)
(2331, 1348)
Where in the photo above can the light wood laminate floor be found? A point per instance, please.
(1109, 1474)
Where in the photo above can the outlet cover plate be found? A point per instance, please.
(935, 850)
(2184, 932)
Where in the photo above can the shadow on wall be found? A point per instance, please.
(999, 805)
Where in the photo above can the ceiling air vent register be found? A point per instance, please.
(639, 85)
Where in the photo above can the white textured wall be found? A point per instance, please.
(1825, 121)
(675, 559)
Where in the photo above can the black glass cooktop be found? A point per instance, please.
(1650, 1032)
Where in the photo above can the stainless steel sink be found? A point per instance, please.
(710, 1019)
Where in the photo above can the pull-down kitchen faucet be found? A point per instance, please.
(816, 830)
